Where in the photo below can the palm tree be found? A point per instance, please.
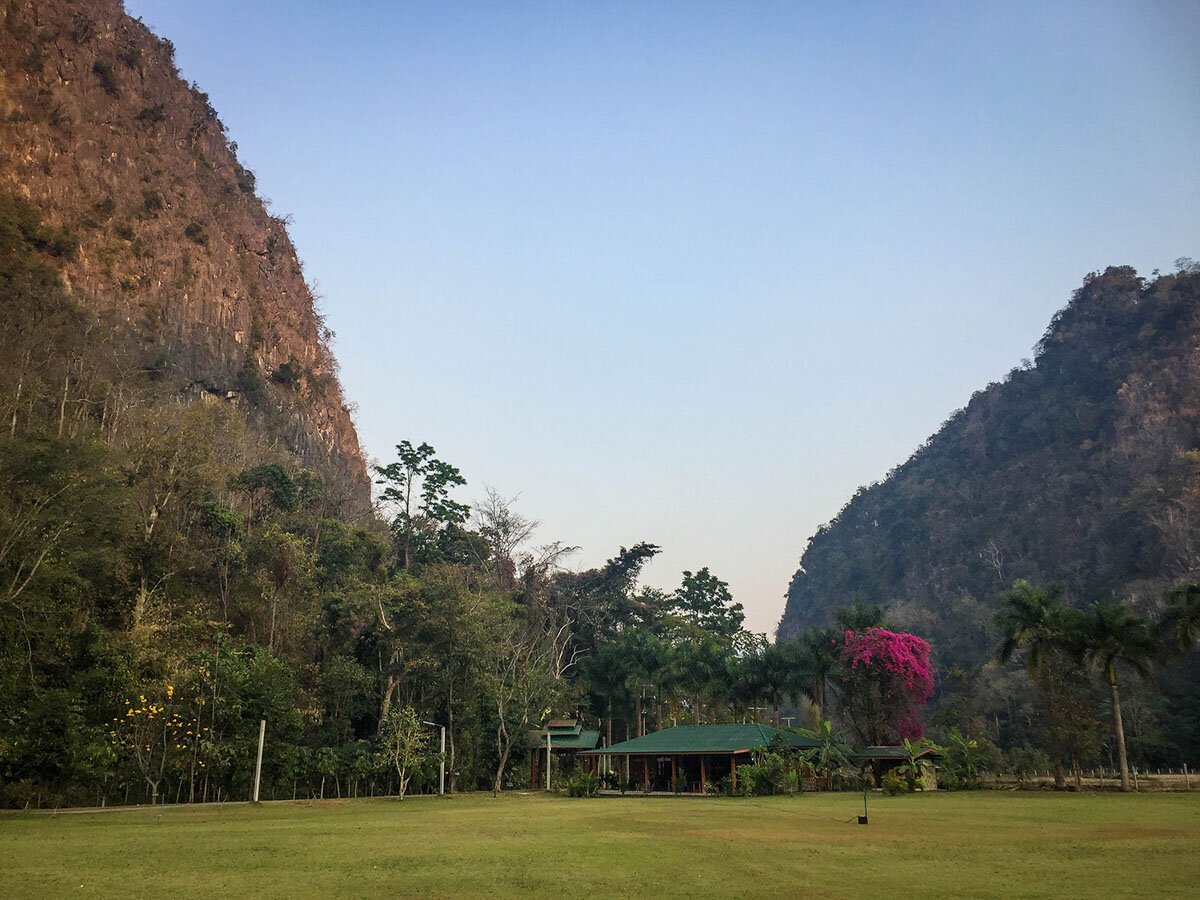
(859, 616)
(1036, 620)
(1112, 633)
(830, 755)
(817, 659)
(1182, 619)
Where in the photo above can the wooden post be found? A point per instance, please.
(1187, 782)
(674, 773)
(703, 776)
(733, 771)
(646, 770)
(262, 733)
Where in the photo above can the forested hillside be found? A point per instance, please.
(186, 541)
(1082, 467)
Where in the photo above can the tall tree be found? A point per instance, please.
(1035, 620)
(704, 602)
(1112, 633)
(417, 486)
(817, 660)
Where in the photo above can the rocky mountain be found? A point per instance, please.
(1082, 467)
(111, 147)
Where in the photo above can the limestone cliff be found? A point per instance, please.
(104, 138)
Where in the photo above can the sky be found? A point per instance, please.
(691, 273)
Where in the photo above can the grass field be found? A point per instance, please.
(979, 844)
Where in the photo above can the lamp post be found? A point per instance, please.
(442, 774)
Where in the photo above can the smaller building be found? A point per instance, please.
(881, 760)
(567, 738)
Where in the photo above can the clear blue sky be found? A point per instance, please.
(691, 273)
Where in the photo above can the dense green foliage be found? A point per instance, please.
(1082, 468)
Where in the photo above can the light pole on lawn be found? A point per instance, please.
(442, 774)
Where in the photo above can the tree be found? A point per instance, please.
(858, 616)
(526, 682)
(327, 766)
(405, 744)
(1112, 633)
(703, 601)
(151, 732)
(1182, 618)
(830, 754)
(818, 660)
(505, 531)
(1036, 621)
(418, 487)
(885, 678)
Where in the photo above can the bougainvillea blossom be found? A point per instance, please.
(896, 665)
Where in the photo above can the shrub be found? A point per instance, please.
(197, 232)
(583, 784)
(792, 783)
(108, 78)
(152, 201)
(1025, 761)
(772, 774)
(893, 784)
(249, 381)
(130, 55)
(288, 374)
(60, 242)
(35, 61)
(246, 180)
(152, 115)
(82, 29)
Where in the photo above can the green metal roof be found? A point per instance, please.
(708, 739)
(566, 740)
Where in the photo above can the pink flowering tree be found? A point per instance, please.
(885, 678)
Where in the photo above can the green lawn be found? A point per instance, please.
(977, 844)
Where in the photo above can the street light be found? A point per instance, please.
(442, 777)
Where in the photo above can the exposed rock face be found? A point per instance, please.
(100, 133)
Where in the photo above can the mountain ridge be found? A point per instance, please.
(1082, 467)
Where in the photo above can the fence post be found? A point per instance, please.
(262, 732)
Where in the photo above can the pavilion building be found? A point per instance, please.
(700, 755)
